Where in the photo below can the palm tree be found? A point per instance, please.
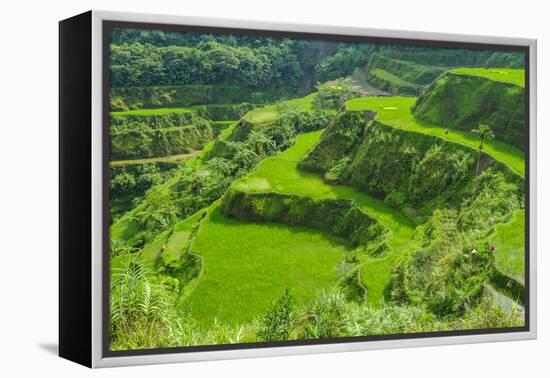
(485, 133)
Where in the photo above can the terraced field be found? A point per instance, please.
(269, 112)
(239, 215)
(392, 79)
(154, 160)
(227, 288)
(280, 174)
(396, 112)
(247, 265)
(151, 112)
(506, 75)
(510, 246)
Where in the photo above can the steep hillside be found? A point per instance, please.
(398, 76)
(129, 98)
(145, 142)
(410, 168)
(463, 99)
(280, 122)
(161, 132)
(454, 192)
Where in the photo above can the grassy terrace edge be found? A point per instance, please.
(280, 174)
(505, 75)
(395, 112)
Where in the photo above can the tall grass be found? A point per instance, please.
(142, 316)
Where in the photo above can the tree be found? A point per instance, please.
(485, 133)
(261, 143)
(221, 166)
(243, 156)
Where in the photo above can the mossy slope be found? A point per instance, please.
(463, 101)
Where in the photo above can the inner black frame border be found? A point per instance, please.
(108, 25)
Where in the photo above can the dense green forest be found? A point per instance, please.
(269, 189)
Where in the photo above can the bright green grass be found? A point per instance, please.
(176, 244)
(391, 78)
(125, 227)
(395, 112)
(509, 240)
(151, 112)
(269, 112)
(248, 265)
(280, 173)
(180, 238)
(222, 124)
(146, 257)
(507, 75)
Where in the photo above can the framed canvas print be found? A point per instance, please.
(235, 189)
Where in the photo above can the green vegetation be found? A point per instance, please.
(129, 182)
(247, 265)
(509, 246)
(162, 159)
(406, 72)
(281, 174)
(396, 112)
(181, 96)
(137, 143)
(462, 101)
(391, 83)
(271, 112)
(400, 77)
(259, 193)
(151, 112)
(506, 75)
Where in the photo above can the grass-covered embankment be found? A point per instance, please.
(464, 98)
(398, 76)
(505, 75)
(163, 132)
(280, 173)
(432, 179)
(247, 265)
(396, 112)
(509, 244)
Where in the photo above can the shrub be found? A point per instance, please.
(326, 317)
(338, 172)
(338, 216)
(278, 321)
(129, 183)
(441, 168)
(490, 196)
(141, 309)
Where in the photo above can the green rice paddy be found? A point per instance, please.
(248, 265)
(269, 112)
(506, 75)
(510, 246)
(280, 173)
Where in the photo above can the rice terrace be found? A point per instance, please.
(271, 189)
